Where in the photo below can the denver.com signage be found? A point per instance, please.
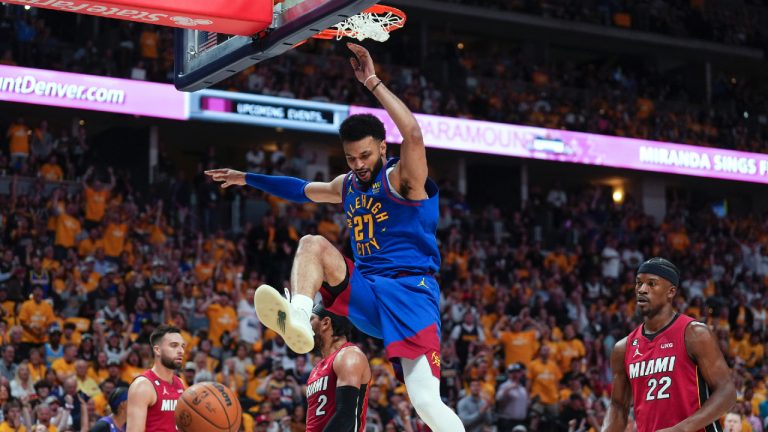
(69, 90)
(235, 17)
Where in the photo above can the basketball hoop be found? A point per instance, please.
(373, 23)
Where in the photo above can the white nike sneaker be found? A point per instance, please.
(277, 313)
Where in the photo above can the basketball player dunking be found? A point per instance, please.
(337, 388)
(389, 291)
(152, 395)
(670, 366)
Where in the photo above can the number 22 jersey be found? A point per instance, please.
(667, 386)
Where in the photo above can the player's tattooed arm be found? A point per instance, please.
(621, 392)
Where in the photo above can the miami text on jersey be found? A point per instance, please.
(652, 366)
(319, 385)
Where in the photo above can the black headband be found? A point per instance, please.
(662, 268)
(322, 312)
(342, 326)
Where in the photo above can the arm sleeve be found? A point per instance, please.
(345, 417)
(288, 188)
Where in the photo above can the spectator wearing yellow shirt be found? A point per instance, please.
(89, 245)
(18, 137)
(37, 366)
(96, 197)
(558, 258)
(65, 366)
(70, 334)
(222, 318)
(46, 420)
(132, 367)
(543, 378)
(204, 267)
(35, 316)
(520, 345)
(13, 421)
(85, 383)
(51, 170)
(738, 343)
(100, 401)
(571, 348)
(114, 237)
(67, 227)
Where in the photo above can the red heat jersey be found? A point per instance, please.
(160, 415)
(321, 395)
(667, 386)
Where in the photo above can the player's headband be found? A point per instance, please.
(118, 396)
(662, 268)
(337, 321)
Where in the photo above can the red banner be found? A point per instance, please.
(235, 17)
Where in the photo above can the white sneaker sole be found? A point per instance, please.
(276, 313)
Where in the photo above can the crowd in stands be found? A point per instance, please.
(716, 21)
(532, 300)
(607, 95)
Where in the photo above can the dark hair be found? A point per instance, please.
(341, 325)
(359, 126)
(160, 332)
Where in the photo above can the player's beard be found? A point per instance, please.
(170, 363)
(318, 349)
(649, 311)
(375, 172)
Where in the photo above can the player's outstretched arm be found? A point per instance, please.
(621, 393)
(412, 169)
(140, 397)
(352, 372)
(703, 349)
(288, 188)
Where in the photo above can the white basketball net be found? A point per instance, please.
(368, 26)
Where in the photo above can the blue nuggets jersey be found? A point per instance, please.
(391, 235)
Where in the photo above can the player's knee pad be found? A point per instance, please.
(425, 404)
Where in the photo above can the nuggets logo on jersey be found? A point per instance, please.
(365, 218)
(390, 234)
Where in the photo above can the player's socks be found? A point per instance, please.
(303, 303)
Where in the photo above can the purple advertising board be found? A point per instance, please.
(89, 92)
(582, 148)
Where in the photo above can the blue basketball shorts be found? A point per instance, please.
(403, 310)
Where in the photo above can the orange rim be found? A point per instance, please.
(375, 9)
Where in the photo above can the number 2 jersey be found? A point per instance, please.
(667, 386)
(321, 395)
(390, 235)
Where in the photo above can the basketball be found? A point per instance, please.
(208, 406)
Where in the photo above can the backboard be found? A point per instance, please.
(204, 58)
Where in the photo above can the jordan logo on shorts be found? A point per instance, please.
(422, 283)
